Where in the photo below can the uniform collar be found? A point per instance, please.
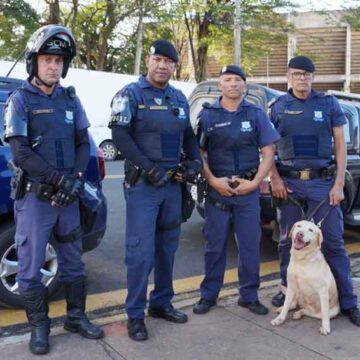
(290, 96)
(35, 90)
(217, 105)
(144, 83)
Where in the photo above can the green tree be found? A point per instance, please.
(18, 20)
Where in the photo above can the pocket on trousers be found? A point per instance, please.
(20, 239)
(132, 241)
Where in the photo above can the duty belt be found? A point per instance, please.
(42, 191)
(306, 174)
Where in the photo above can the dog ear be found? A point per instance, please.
(291, 231)
(320, 237)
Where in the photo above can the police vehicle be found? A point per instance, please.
(208, 91)
(93, 207)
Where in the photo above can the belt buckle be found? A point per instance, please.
(304, 174)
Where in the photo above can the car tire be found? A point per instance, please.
(9, 294)
(109, 149)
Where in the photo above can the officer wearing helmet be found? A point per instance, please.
(231, 132)
(310, 124)
(150, 126)
(46, 127)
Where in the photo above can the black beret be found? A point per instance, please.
(165, 48)
(233, 69)
(302, 62)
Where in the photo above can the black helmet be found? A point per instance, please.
(50, 39)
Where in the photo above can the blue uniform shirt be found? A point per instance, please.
(233, 139)
(157, 120)
(18, 102)
(128, 101)
(318, 107)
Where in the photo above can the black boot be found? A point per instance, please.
(36, 307)
(76, 319)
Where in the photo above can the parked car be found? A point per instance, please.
(103, 139)
(208, 91)
(93, 211)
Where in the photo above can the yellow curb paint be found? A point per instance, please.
(115, 298)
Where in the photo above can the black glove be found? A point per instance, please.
(157, 176)
(189, 169)
(70, 188)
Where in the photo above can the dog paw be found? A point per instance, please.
(298, 315)
(324, 330)
(277, 321)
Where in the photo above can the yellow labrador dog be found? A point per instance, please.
(311, 285)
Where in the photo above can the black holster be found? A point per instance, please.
(132, 174)
(17, 181)
(187, 203)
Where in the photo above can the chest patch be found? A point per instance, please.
(69, 117)
(318, 116)
(246, 126)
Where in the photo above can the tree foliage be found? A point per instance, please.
(109, 33)
(18, 20)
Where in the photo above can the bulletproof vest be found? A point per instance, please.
(159, 125)
(51, 128)
(305, 129)
(232, 142)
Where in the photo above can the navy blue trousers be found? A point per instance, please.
(150, 245)
(313, 192)
(35, 221)
(245, 218)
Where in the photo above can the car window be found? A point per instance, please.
(350, 114)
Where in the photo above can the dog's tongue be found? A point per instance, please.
(299, 242)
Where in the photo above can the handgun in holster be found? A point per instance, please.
(17, 188)
(132, 174)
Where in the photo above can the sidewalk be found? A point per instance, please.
(226, 332)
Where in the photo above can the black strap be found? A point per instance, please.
(71, 237)
(43, 191)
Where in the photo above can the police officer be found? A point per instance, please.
(231, 133)
(150, 126)
(309, 123)
(46, 127)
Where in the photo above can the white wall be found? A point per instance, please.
(95, 88)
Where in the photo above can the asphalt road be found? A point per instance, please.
(105, 265)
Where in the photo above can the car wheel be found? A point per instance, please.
(9, 290)
(110, 150)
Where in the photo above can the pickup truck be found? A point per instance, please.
(93, 208)
(208, 91)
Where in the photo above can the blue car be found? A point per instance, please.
(93, 208)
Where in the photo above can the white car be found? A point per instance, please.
(103, 139)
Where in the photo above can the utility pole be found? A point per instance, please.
(237, 33)
(139, 38)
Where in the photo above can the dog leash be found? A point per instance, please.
(310, 216)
